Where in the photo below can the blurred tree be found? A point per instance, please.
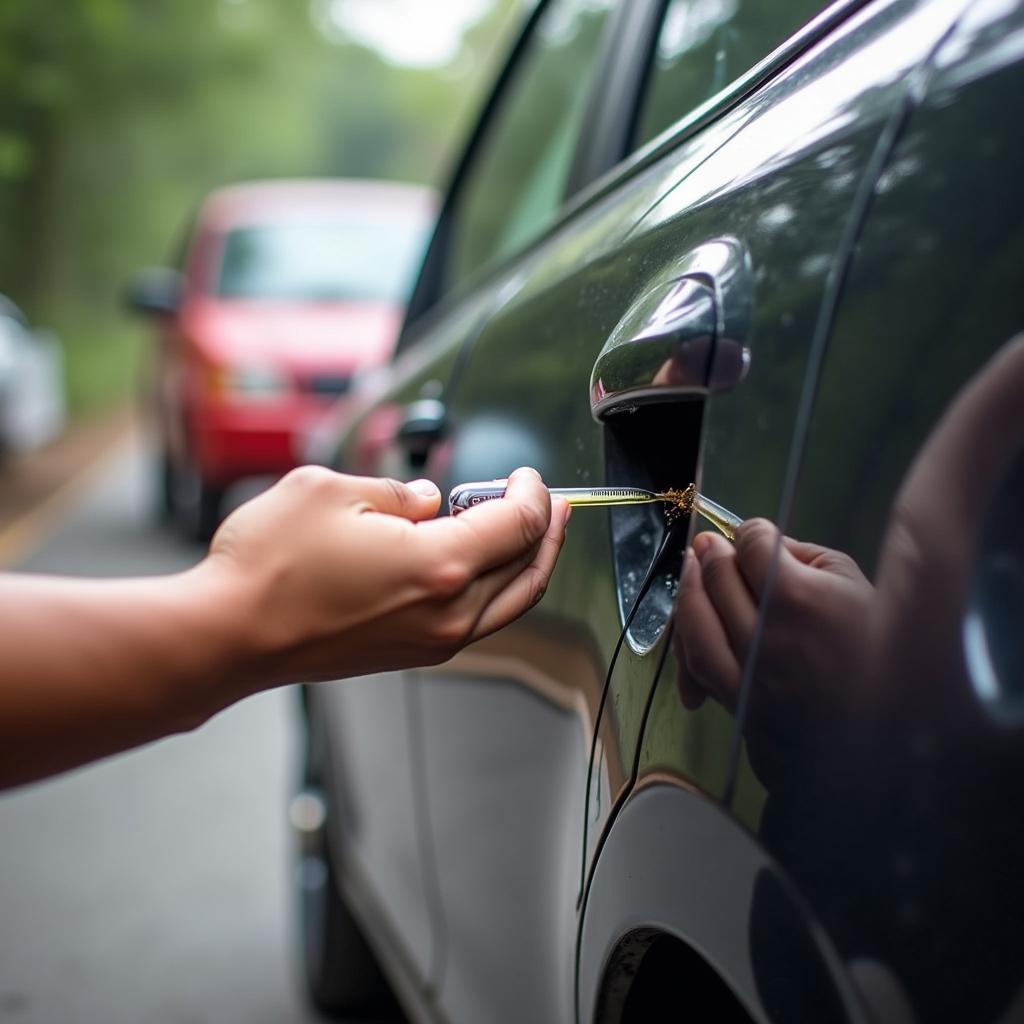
(117, 116)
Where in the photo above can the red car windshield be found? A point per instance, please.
(326, 261)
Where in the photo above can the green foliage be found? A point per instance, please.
(103, 359)
(118, 116)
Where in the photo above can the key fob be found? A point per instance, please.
(465, 496)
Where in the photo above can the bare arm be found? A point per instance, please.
(324, 576)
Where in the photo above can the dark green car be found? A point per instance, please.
(778, 250)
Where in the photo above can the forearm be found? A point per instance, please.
(91, 667)
(323, 577)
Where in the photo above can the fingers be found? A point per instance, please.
(804, 551)
(415, 501)
(495, 533)
(727, 590)
(756, 541)
(823, 559)
(706, 657)
(515, 596)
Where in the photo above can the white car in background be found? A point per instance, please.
(32, 408)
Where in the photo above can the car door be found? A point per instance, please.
(789, 187)
(894, 805)
(736, 213)
(702, 225)
(576, 373)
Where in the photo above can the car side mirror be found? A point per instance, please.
(155, 291)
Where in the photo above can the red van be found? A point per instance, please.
(286, 290)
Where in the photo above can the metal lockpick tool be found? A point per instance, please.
(685, 501)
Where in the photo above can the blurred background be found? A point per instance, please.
(159, 886)
(118, 116)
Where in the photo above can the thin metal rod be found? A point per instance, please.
(687, 501)
(607, 495)
(727, 522)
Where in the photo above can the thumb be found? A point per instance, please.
(416, 501)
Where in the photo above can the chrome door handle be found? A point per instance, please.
(685, 336)
(660, 349)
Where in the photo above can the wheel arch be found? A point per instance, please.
(676, 870)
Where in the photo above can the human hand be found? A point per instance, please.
(336, 575)
(814, 632)
(841, 659)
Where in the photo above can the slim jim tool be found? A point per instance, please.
(683, 502)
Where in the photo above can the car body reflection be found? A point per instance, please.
(888, 759)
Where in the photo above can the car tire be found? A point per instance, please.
(163, 495)
(198, 504)
(342, 976)
(341, 972)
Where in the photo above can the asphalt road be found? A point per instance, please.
(152, 888)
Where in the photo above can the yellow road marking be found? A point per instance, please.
(26, 534)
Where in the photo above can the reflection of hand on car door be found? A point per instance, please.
(836, 650)
(813, 641)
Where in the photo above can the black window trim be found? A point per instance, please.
(426, 293)
(596, 169)
(611, 110)
(715, 106)
(426, 296)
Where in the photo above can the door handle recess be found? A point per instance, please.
(684, 337)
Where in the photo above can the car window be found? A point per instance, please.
(372, 260)
(704, 45)
(516, 182)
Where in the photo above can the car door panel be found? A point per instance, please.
(785, 186)
(541, 677)
(507, 732)
(812, 831)
(525, 387)
(487, 443)
(576, 286)
(505, 858)
(906, 774)
(374, 821)
(512, 688)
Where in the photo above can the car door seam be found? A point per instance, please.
(613, 812)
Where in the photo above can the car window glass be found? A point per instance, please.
(517, 181)
(321, 261)
(706, 44)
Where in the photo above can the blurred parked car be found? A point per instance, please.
(286, 290)
(32, 407)
(776, 249)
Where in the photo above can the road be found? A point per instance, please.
(152, 888)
